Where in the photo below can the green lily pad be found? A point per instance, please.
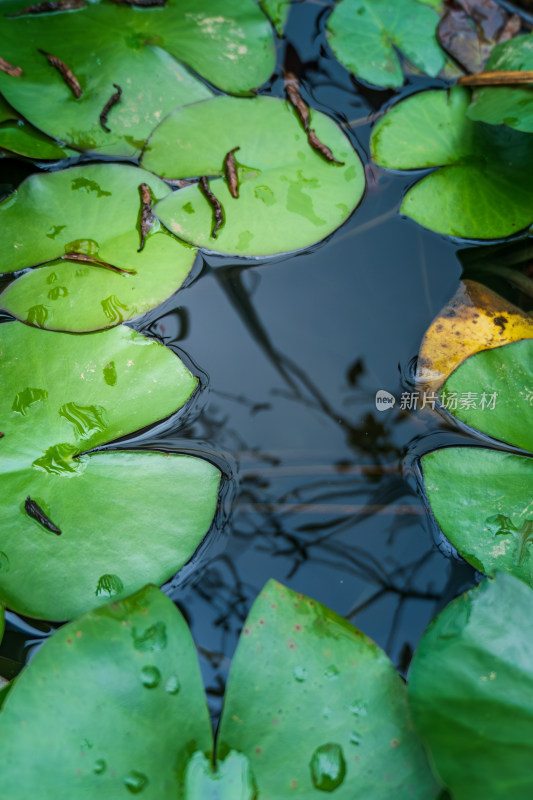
(284, 184)
(90, 211)
(278, 12)
(228, 42)
(317, 707)
(482, 190)
(506, 105)
(365, 35)
(470, 689)
(481, 498)
(62, 396)
(119, 694)
(344, 711)
(19, 137)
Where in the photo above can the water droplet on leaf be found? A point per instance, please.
(331, 672)
(109, 586)
(100, 766)
(135, 781)
(300, 674)
(172, 686)
(150, 677)
(357, 708)
(355, 738)
(328, 767)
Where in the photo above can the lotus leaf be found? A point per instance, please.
(62, 396)
(19, 137)
(365, 34)
(285, 186)
(278, 12)
(507, 105)
(321, 710)
(470, 689)
(228, 42)
(92, 211)
(482, 190)
(481, 498)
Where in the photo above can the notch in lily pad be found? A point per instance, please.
(77, 233)
(481, 189)
(97, 45)
(312, 706)
(366, 35)
(102, 523)
(481, 496)
(284, 184)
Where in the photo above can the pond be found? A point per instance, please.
(322, 488)
(292, 352)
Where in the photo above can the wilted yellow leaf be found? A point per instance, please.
(475, 319)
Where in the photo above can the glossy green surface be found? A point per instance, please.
(228, 42)
(284, 184)
(93, 210)
(111, 706)
(470, 689)
(507, 105)
(63, 395)
(365, 36)
(277, 11)
(481, 498)
(317, 707)
(482, 190)
(21, 138)
(502, 380)
(83, 391)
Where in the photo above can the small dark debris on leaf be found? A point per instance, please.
(49, 5)
(179, 183)
(292, 87)
(231, 172)
(67, 74)
(95, 262)
(113, 100)
(35, 511)
(1, 435)
(214, 203)
(315, 142)
(9, 69)
(147, 218)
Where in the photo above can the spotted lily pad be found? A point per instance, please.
(228, 42)
(285, 186)
(507, 105)
(78, 529)
(19, 137)
(470, 689)
(365, 36)
(482, 190)
(92, 212)
(343, 711)
(317, 707)
(480, 497)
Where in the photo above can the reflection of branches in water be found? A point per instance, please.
(302, 389)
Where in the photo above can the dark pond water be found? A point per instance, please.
(321, 485)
